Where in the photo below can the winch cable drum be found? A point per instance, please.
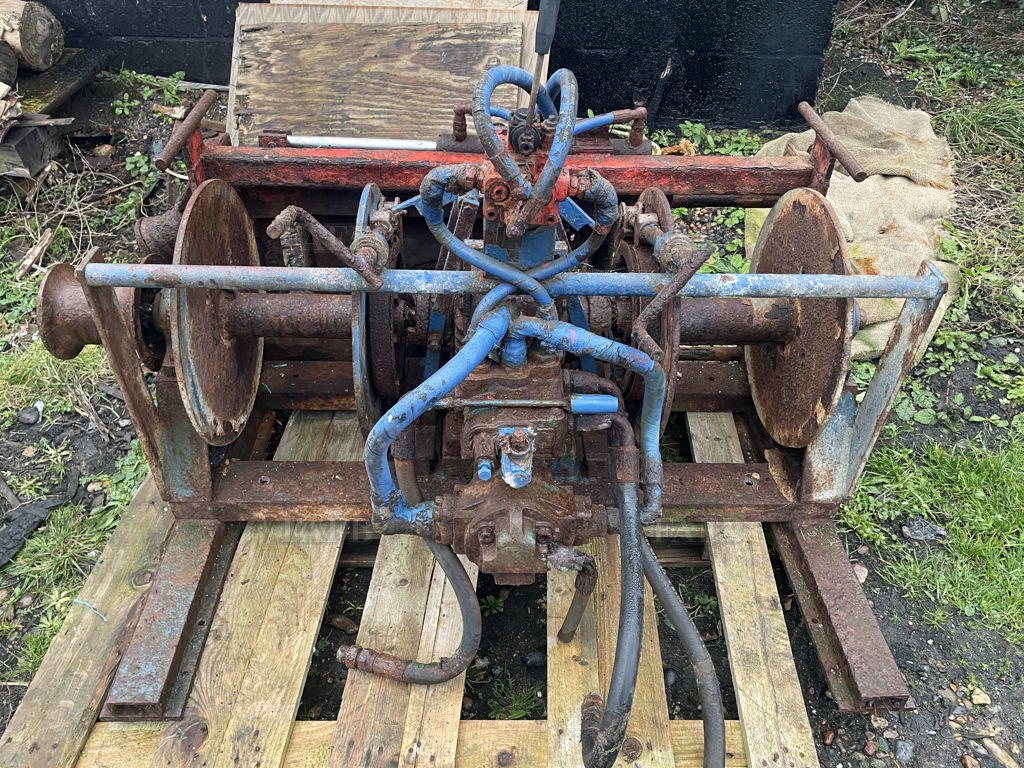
(512, 372)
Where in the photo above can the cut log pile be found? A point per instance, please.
(32, 40)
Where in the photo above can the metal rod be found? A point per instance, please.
(358, 142)
(184, 129)
(442, 282)
(834, 145)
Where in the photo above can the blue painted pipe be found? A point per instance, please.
(561, 143)
(602, 194)
(496, 151)
(593, 403)
(392, 513)
(330, 280)
(432, 190)
(590, 123)
(579, 342)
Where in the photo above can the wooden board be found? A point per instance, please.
(517, 743)
(438, 4)
(648, 741)
(250, 677)
(768, 694)
(403, 68)
(52, 723)
(46, 91)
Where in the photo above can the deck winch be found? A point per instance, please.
(513, 319)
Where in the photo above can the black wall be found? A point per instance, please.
(739, 63)
(734, 63)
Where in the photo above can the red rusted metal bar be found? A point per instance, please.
(861, 671)
(150, 664)
(720, 177)
(334, 491)
(184, 130)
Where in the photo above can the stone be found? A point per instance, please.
(670, 677)
(29, 416)
(103, 150)
(343, 622)
(827, 737)
(876, 763)
(904, 752)
(881, 745)
(979, 698)
(969, 761)
(870, 748)
(889, 733)
(536, 659)
(26, 601)
(919, 529)
(861, 572)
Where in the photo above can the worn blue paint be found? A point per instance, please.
(577, 316)
(327, 280)
(517, 470)
(577, 341)
(585, 403)
(485, 469)
(573, 215)
(392, 513)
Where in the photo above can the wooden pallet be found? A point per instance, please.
(376, 71)
(242, 708)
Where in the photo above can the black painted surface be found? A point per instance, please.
(735, 63)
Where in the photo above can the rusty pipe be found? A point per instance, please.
(420, 673)
(737, 321)
(832, 142)
(185, 128)
(64, 316)
(295, 315)
(690, 261)
(361, 261)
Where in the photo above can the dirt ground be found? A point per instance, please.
(967, 679)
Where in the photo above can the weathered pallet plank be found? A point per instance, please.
(396, 604)
(51, 725)
(768, 694)
(519, 743)
(432, 719)
(572, 670)
(441, 5)
(648, 741)
(247, 687)
(414, 64)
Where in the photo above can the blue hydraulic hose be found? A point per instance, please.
(600, 192)
(392, 512)
(578, 341)
(561, 143)
(432, 190)
(496, 151)
(590, 123)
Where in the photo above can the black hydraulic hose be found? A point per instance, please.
(388, 665)
(708, 689)
(604, 722)
(420, 673)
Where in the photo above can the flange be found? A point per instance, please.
(218, 373)
(797, 385)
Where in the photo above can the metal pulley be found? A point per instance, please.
(796, 385)
(218, 372)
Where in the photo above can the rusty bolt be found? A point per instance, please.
(485, 536)
(498, 192)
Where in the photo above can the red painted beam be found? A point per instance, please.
(715, 178)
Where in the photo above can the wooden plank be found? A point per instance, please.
(247, 687)
(572, 671)
(441, 5)
(392, 621)
(46, 91)
(518, 743)
(647, 738)
(52, 724)
(768, 694)
(405, 67)
(432, 719)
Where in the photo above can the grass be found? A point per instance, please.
(976, 492)
(30, 373)
(514, 699)
(991, 127)
(53, 564)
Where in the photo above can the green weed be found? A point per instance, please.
(31, 373)
(513, 699)
(491, 605)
